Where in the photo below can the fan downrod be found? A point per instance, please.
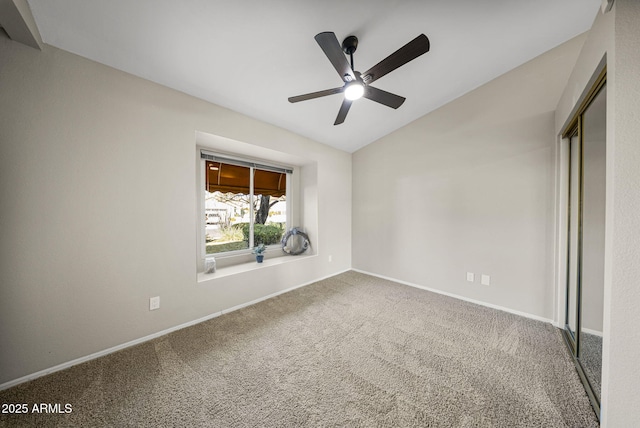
(349, 46)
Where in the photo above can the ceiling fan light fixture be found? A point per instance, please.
(354, 86)
(354, 91)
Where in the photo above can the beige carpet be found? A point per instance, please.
(352, 350)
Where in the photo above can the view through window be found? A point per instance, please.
(244, 205)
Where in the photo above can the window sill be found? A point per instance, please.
(249, 266)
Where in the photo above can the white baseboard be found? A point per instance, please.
(594, 332)
(134, 342)
(104, 352)
(253, 302)
(466, 299)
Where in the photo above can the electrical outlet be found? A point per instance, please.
(154, 303)
(485, 280)
(470, 276)
(330, 258)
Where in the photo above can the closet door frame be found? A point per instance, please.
(575, 129)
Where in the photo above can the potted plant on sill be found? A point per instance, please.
(259, 250)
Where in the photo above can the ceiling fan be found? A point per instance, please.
(356, 84)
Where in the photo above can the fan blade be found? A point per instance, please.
(332, 49)
(408, 52)
(342, 114)
(313, 95)
(383, 97)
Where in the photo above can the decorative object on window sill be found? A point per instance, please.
(259, 250)
(210, 265)
(295, 242)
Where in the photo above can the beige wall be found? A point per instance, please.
(468, 188)
(97, 179)
(622, 317)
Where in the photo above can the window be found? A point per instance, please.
(245, 204)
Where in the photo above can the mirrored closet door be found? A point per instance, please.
(586, 140)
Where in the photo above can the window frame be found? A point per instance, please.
(252, 164)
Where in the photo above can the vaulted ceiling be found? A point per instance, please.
(251, 55)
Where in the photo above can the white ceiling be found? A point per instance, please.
(251, 55)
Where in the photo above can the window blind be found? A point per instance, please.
(214, 157)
